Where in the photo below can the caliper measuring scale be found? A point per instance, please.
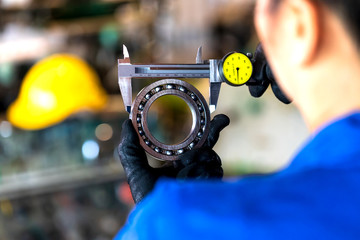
(229, 69)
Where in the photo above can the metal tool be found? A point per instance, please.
(235, 69)
(199, 110)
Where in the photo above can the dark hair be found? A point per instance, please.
(347, 10)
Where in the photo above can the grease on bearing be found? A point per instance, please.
(199, 110)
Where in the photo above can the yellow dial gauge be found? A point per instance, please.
(236, 69)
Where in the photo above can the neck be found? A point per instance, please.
(334, 87)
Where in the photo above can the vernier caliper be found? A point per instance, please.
(235, 69)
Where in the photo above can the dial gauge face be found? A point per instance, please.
(236, 69)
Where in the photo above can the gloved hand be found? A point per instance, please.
(201, 163)
(263, 76)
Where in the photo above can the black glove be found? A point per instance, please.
(198, 163)
(263, 76)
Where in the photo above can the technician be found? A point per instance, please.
(313, 49)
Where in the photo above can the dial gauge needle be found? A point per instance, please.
(238, 77)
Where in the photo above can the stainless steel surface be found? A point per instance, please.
(126, 92)
(215, 84)
(125, 82)
(165, 70)
(200, 114)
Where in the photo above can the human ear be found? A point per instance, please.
(303, 30)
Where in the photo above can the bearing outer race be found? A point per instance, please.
(197, 126)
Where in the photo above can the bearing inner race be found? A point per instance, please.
(199, 110)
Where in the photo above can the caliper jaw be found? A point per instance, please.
(215, 84)
(125, 82)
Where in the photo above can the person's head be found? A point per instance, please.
(311, 45)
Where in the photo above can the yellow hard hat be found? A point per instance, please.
(53, 89)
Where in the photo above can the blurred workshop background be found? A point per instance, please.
(61, 109)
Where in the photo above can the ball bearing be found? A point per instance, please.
(199, 110)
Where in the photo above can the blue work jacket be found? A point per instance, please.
(316, 197)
